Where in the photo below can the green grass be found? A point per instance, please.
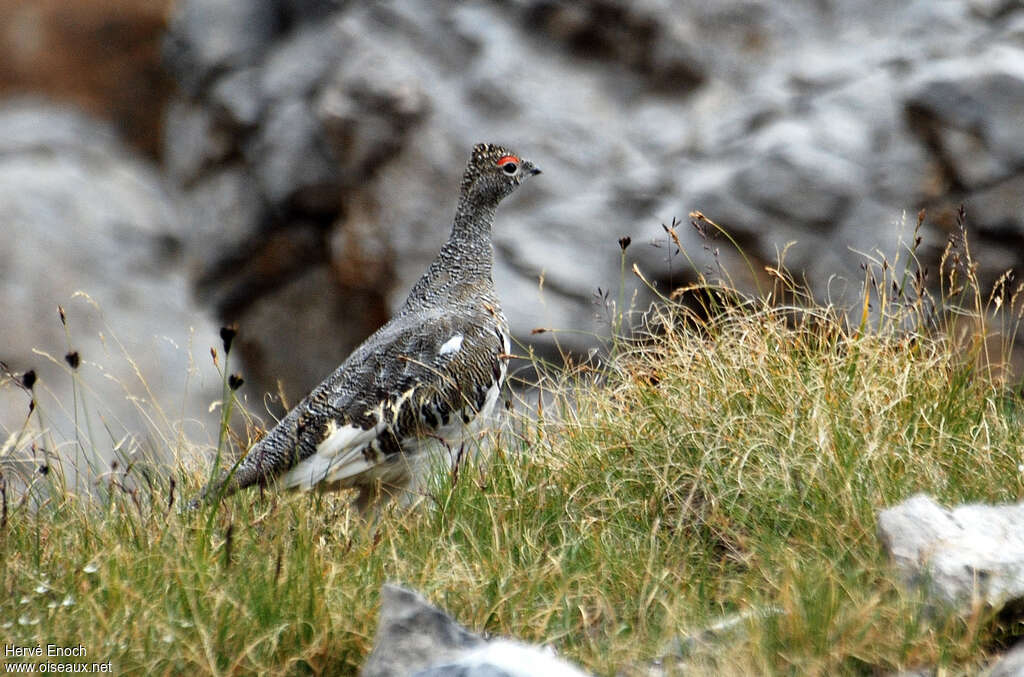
(711, 467)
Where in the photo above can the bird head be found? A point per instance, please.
(494, 172)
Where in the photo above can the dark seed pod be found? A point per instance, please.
(227, 335)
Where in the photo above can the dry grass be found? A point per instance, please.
(712, 467)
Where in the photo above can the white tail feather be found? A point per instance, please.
(338, 457)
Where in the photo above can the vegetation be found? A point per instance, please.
(727, 463)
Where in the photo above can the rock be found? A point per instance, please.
(236, 98)
(301, 313)
(963, 555)
(291, 161)
(634, 35)
(638, 113)
(1010, 664)
(225, 220)
(368, 107)
(102, 56)
(413, 635)
(416, 638)
(826, 184)
(91, 228)
(996, 209)
(994, 8)
(302, 11)
(209, 37)
(199, 142)
(969, 108)
(297, 64)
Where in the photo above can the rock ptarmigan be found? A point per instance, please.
(428, 375)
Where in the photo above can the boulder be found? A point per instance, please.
(89, 228)
(357, 118)
(213, 36)
(968, 109)
(102, 56)
(968, 554)
(1010, 664)
(416, 638)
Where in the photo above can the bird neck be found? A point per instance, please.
(469, 245)
(464, 262)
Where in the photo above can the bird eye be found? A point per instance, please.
(509, 164)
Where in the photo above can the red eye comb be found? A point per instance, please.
(507, 158)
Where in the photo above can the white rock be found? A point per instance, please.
(1010, 665)
(969, 553)
(416, 638)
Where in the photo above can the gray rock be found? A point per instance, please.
(825, 183)
(302, 11)
(635, 35)
(991, 9)
(1010, 664)
(300, 313)
(369, 107)
(997, 209)
(32, 127)
(970, 107)
(225, 220)
(292, 162)
(417, 639)
(237, 97)
(413, 635)
(198, 141)
(89, 227)
(1012, 31)
(963, 555)
(297, 65)
(212, 36)
(637, 112)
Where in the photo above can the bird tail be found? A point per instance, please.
(258, 466)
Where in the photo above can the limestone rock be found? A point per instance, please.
(270, 355)
(1010, 664)
(90, 227)
(360, 119)
(102, 56)
(224, 221)
(216, 35)
(416, 638)
(291, 162)
(199, 143)
(236, 98)
(969, 108)
(968, 553)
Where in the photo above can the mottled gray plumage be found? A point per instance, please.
(426, 375)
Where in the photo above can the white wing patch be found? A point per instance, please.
(338, 457)
(342, 439)
(452, 345)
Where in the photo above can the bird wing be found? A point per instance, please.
(405, 380)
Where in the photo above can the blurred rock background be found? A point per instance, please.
(298, 159)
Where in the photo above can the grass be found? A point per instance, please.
(729, 460)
